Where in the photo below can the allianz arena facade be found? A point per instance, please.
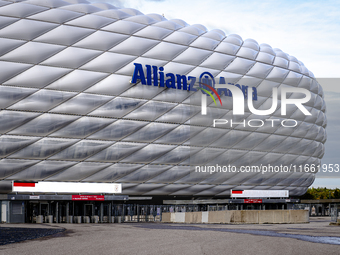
(69, 112)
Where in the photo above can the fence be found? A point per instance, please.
(149, 213)
(153, 213)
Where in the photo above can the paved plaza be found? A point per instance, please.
(317, 237)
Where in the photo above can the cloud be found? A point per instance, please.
(307, 30)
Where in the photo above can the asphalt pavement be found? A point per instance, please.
(316, 237)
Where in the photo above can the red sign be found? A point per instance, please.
(88, 197)
(24, 184)
(237, 191)
(253, 201)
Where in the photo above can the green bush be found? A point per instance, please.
(321, 193)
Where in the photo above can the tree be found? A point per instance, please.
(336, 194)
(321, 193)
(308, 195)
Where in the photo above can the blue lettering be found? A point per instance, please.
(161, 77)
(138, 74)
(148, 74)
(254, 93)
(170, 83)
(244, 90)
(192, 83)
(155, 75)
(182, 79)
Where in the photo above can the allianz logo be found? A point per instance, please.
(155, 76)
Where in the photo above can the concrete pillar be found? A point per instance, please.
(56, 211)
(101, 212)
(123, 214)
(323, 209)
(110, 213)
(5, 212)
(67, 212)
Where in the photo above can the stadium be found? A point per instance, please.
(100, 103)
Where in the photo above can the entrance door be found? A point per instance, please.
(44, 209)
(32, 211)
(88, 210)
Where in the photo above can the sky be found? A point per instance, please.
(307, 30)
